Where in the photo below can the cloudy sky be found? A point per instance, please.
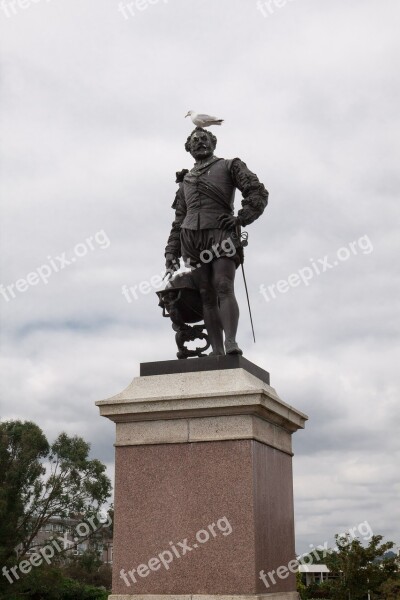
(93, 98)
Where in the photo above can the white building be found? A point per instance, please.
(314, 573)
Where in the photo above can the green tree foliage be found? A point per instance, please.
(390, 590)
(82, 577)
(316, 557)
(88, 568)
(41, 583)
(39, 481)
(360, 568)
(50, 583)
(300, 587)
(23, 447)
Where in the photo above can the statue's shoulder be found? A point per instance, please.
(180, 176)
(231, 161)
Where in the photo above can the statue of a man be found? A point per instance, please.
(205, 227)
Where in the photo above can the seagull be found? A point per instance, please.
(203, 120)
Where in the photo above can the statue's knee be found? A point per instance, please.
(208, 297)
(224, 287)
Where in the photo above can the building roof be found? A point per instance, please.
(313, 569)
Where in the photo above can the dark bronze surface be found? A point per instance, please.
(205, 221)
(209, 363)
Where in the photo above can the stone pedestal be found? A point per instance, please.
(203, 488)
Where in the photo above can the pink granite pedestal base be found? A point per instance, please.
(203, 489)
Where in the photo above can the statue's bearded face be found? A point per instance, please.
(201, 145)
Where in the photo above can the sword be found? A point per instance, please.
(239, 236)
(248, 302)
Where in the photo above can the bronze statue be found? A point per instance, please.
(207, 235)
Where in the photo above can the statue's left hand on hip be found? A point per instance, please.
(227, 222)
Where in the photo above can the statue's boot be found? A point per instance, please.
(231, 347)
(215, 354)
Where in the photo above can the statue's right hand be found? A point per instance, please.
(171, 263)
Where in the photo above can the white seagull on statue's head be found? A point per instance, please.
(203, 120)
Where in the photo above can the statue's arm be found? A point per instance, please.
(255, 196)
(173, 246)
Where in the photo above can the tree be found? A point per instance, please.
(89, 569)
(360, 568)
(39, 481)
(315, 557)
(300, 587)
(390, 590)
(50, 583)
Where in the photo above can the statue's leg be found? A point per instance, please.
(202, 277)
(223, 278)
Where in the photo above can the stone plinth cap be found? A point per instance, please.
(207, 363)
(224, 392)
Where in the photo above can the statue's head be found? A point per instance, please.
(201, 143)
